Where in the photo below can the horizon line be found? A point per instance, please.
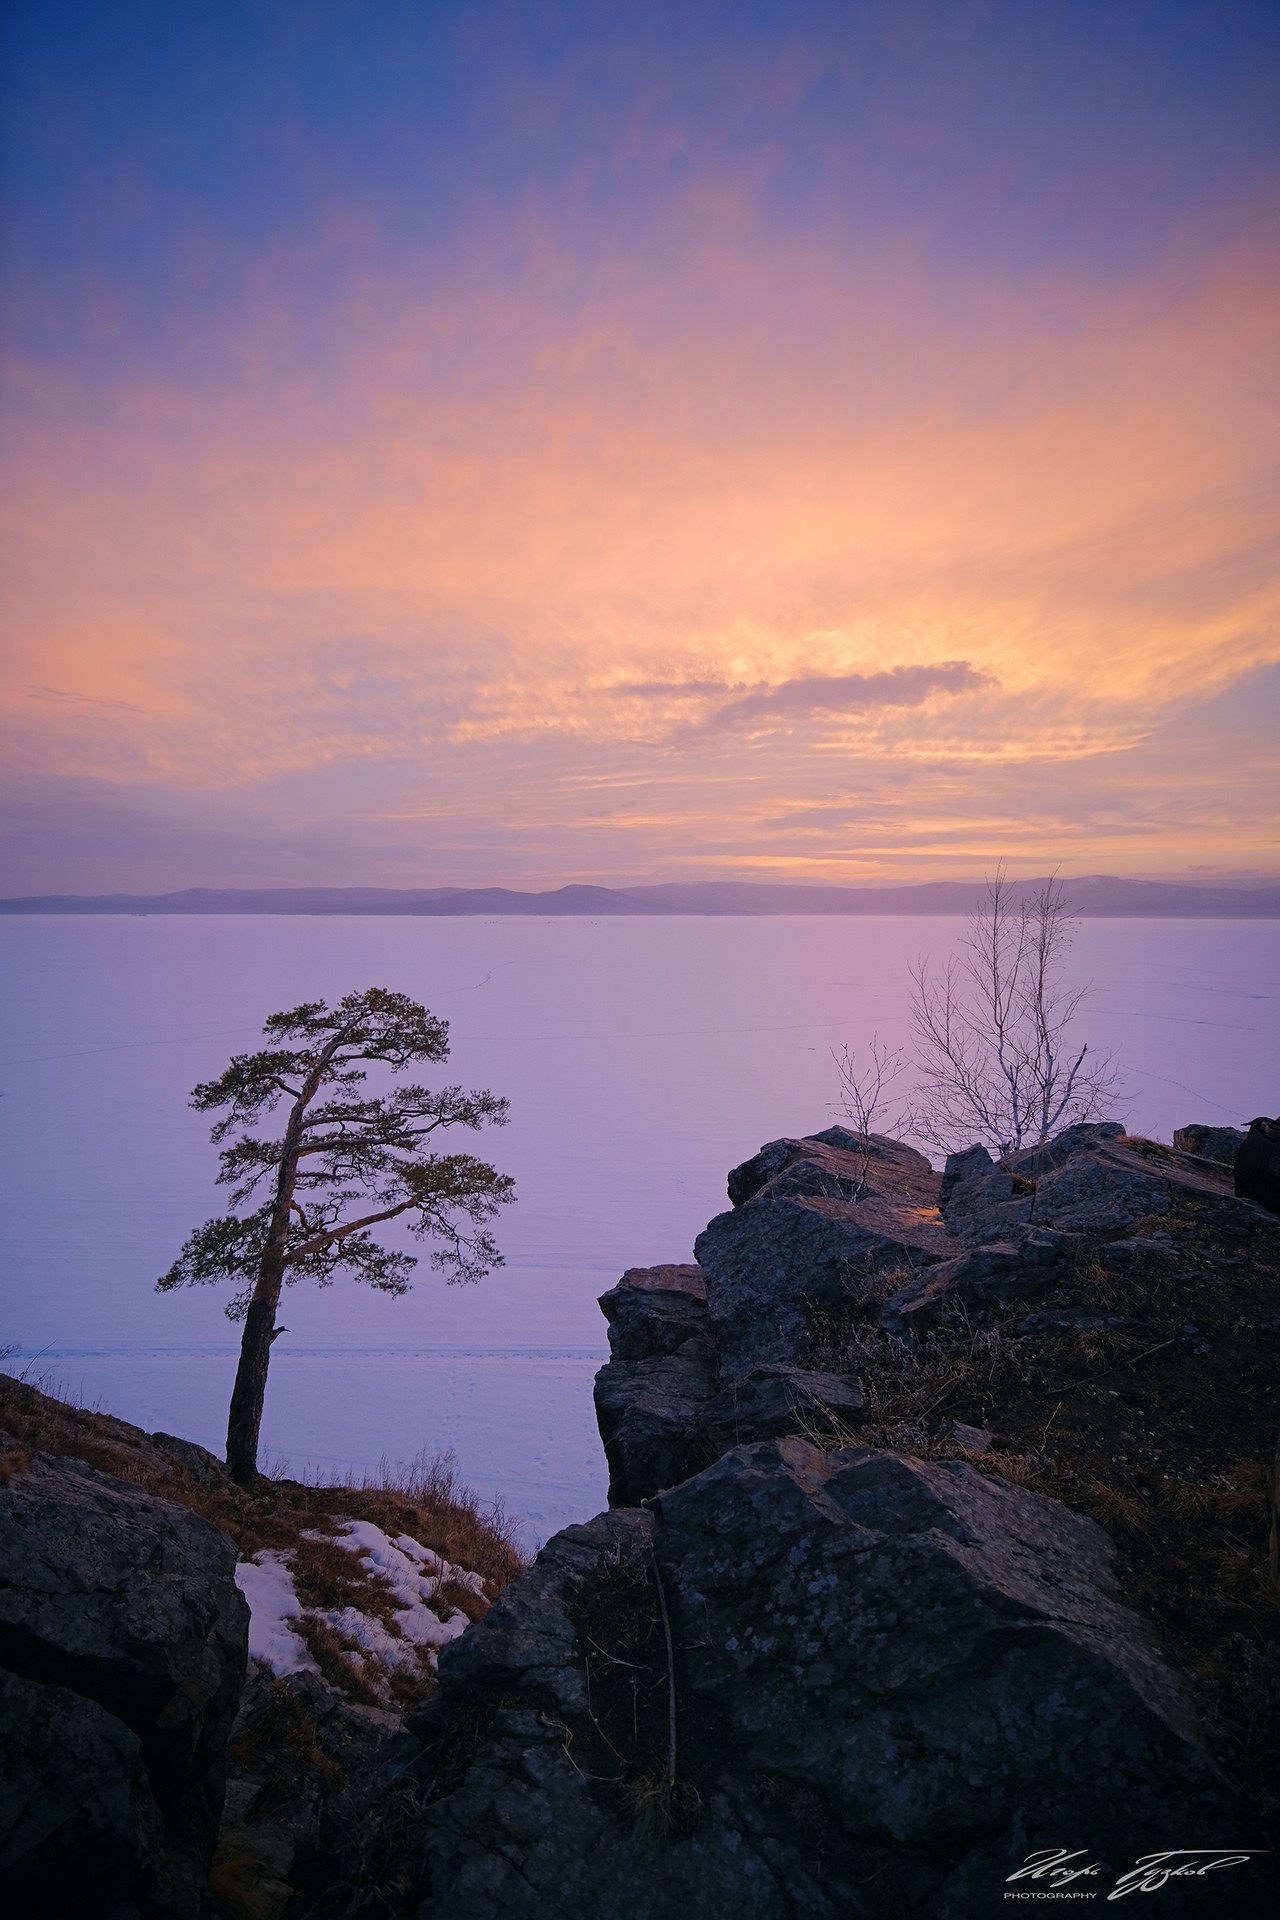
(1088, 896)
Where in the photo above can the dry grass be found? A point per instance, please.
(347, 1669)
(424, 1499)
(907, 1388)
(297, 1519)
(329, 1577)
(282, 1719)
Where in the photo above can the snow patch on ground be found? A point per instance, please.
(407, 1573)
(267, 1584)
(413, 1574)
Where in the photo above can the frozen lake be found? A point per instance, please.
(643, 1058)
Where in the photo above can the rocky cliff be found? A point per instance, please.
(934, 1575)
(936, 1550)
(131, 1741)
(122, 1655)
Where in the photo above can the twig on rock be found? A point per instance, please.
(671, 1661)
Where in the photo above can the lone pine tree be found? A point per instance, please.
(344, 1164)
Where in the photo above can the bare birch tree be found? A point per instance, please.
(865, 1096)
(344, 1164)
(996, 1058)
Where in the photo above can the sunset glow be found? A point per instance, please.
(461, 445)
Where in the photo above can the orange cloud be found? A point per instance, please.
(565, 512)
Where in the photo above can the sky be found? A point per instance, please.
(483, 444)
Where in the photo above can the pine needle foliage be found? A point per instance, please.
(346, 1163)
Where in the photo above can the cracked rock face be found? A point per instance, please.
(894, 1680)
(933, 1656)
(1099, 1193)
(978, 1200)
(661, 1407)
(123, 1645)
(797, 1239)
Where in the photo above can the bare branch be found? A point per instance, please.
(995, 1058)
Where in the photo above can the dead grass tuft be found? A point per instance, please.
(1113, 1507)
(455, 1596)
(330, 1577)
(346, 1669)
(282, 1719)
(907, 1387)
(1020, 1468)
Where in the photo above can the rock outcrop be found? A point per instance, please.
(789, 1674)
(827, 1656)
(814, 1221)
(1219, 1144)
(893, 1680)
(122, 1649)
(662, 1409)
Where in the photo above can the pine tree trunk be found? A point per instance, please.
(245, 1418)
(247, 1396)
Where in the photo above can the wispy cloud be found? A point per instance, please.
(846, 693)
(670, 456)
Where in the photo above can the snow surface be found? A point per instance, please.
(267, 1584)
(413, 1574)
(408, 1571)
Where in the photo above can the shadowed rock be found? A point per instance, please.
(1257, 1165)
(78, 1820)
(979, 1201)
(1013, 1269)
(771, 1401)
(660, 1415)
(655, 1310)
(126, 1606)
(792, 1243)
(894, 1680)
(649, 1414)
(1220, 1144)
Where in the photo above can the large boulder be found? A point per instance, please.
(933, 1666)
(1099, 1193)
(980, 1201)
(80, 1830)
(814, 1222)
(889, 1681)
(562, 1812)
(1219, 1144)
(837, 1164)
(121, 1611)
(655, 1310)
(1257, 1164)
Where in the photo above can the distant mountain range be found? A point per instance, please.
(1099, 896)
